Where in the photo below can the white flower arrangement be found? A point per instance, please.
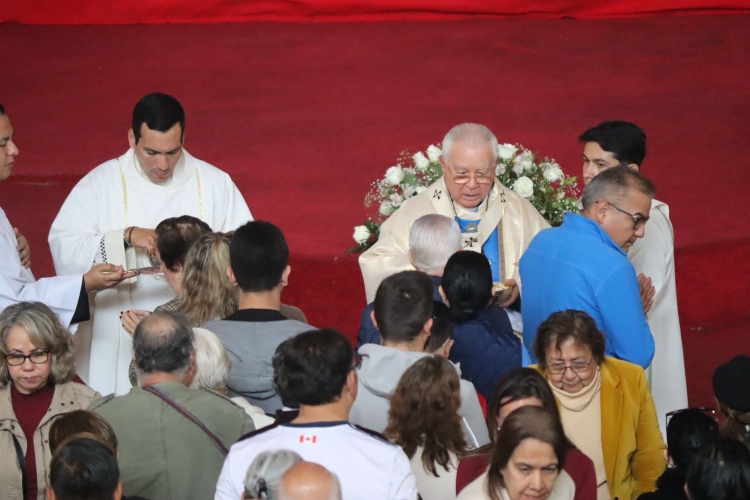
(542, 182)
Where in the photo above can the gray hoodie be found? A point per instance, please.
(378, 376)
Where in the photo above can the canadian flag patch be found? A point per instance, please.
(308, 439)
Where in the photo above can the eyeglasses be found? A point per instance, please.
(638, 219)
(36, 357)
(481, 176)
(575, 367)
(711, 412)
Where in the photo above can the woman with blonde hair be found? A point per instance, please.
(424, 421)
(37, 366)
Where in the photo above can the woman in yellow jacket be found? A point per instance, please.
(605, 405)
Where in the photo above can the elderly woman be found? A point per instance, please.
(264, 474)
(36, 371)
(605, 405)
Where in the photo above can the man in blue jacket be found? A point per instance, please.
(583, 265)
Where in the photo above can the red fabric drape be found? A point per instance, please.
(215, 11)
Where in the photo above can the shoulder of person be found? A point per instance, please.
(99, 403)
(206, 167)
(80, 393)
(624, 370)
(374, 435)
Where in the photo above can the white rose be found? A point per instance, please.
(553, 172)
(518, 166)
(524, 187)
(394, 175)
(433, 153)
(386, 208)
(396, 200)
(409, 191)
(421, 189)
(500, 169)
(420, 161)
(361, 234)
(506, 151)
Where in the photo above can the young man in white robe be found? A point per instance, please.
(66, 295)
(109, 216)
(494, 220)
(615, 143)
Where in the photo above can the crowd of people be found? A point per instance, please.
(521, 362)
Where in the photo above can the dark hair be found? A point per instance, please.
(2, 110)
(720, 471)
(521, 383)
(175, 236)
(570, 324)
(625, 140)
(403, 304)
(163, 342)
(424, 413)
(78, 421)
(467, 284)
(687, 432)
(528, 422)
(730, 381)
(442, 327)
(613, 185)
(84, 469)
(258, 255)
(160, 112)
(311, 368)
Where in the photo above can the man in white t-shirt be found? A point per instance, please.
(315, 371)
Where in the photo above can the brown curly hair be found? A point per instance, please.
(424, 412)
(46, 332)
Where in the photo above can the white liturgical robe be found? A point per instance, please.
(89, 228)
(653, 255)
(517, 220)
(17, 284)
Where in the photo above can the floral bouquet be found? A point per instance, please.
(542, 182)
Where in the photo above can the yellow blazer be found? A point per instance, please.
(632, 443)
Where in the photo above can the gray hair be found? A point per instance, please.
(212, 364)
(46, 332)
(470, 134)
(265, 473)
(433, 239)
(613, 184)
(163, 343)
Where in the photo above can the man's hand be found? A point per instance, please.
(131, 318)
(103, 276)
(143, 238)
(647, 292)
(514, 293)
(24, 252)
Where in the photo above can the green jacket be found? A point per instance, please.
(163, 455)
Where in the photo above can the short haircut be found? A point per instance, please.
(625, 140)
(720, 471)
(45, 332)
(424, 413)
(212, 364)
(2, 110)
(613, 185)
(577, 326)
(175, 236)
(311, 368)
(687, 432)
(265, 473)
(79, 421)
(472, 135)
(403, 304)
(467, 284)
(521, 383)
(163, 343)
(84, 469)
(442, 327)
(160, 112)
(528, 422)
(433, 238)
(258, 255)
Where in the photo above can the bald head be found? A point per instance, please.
(163, 343)
(308, 481)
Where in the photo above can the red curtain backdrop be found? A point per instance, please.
(220, 11)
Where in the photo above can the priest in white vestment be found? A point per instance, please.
(109, 216)
(623, 143)
(494, 220)
(65, 295)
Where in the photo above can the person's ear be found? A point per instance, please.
(285, 275)
(352, 385)
(634, 167)
(374, 321)
(427, 328)
(118, 491)
(51, 494)
(190, 375)
(442, 295)
(600, 211)
(447, 348)
(230, 275)
(131, 138)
